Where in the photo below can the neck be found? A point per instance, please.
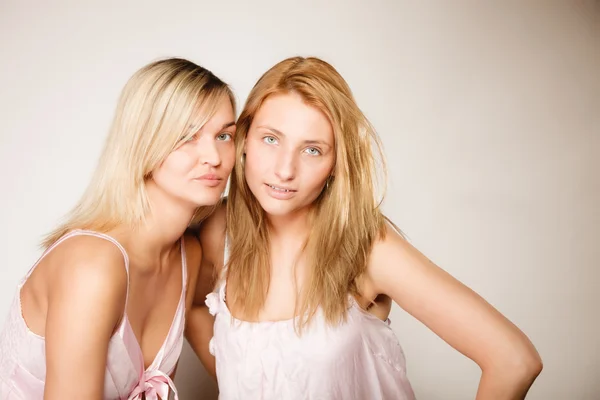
(164, 226)
(289, 228)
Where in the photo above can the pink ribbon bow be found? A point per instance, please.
(155, 385)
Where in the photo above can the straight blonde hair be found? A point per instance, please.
(156, 110)
(346, 218)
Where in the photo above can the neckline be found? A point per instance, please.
(125, 323)
(353, 305)
(222, 298)
(160, 354)
(222, 292)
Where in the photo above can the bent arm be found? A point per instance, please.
(507, 358)
(199, 331)
(199, 324)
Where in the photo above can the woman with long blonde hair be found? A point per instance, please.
(308, 265)
(101, 314)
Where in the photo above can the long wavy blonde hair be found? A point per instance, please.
(346, 218)
(156, 109)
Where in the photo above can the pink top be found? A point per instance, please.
(23, 359)
(359, 359)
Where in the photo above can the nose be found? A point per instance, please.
(208, 152)
(285, 167)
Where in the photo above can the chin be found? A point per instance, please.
(278, 208)
(277, 211)
(206, 200)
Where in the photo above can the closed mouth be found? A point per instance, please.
(209, 177)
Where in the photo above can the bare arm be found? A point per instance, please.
(508, 360)
(199, 325)
(86, 299)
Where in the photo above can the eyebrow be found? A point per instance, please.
(225, 126)
(278, 132)
(272, 130)
(319, 142)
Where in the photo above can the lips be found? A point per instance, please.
(209, 180)
(209, 177)
(279, 192)
(281, 189)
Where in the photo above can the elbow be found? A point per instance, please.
(533, 366)
(527, 367)
(518, 367)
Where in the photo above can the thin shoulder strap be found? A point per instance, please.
(110, 239)
(183, 267)
(119, 246)
(47, 251)
(78, 232)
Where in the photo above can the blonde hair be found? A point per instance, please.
(346, 218)
(155, 112)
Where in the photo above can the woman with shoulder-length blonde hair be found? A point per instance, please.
(101, 314)
(308, 265)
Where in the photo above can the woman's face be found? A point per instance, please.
(196, 172)
(290, 154)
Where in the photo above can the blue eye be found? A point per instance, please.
(313, 151)
(270, 140)
(224, 137)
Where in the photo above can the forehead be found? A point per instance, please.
(290, 114)
(223, 113)
(224, 109)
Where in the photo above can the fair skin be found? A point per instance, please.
(75, 298)
(290, 145)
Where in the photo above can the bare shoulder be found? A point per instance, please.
(391, 255)
(193, 254)
(88, 267)
(212, 236)
(193, 250)
(211, 241)
(392, 242)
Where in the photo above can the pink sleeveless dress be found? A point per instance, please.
(358, 360)
(23, 360)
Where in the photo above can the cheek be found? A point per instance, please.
(317, 180)
(256, 163)
(316, 175)
(227, 156)
(251, 171)
(178, 163)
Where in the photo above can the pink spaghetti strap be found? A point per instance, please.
(46, 252)
(79, 232)
(183, 265)
(23, 355)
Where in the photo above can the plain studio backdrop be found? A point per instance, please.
(489, 113)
